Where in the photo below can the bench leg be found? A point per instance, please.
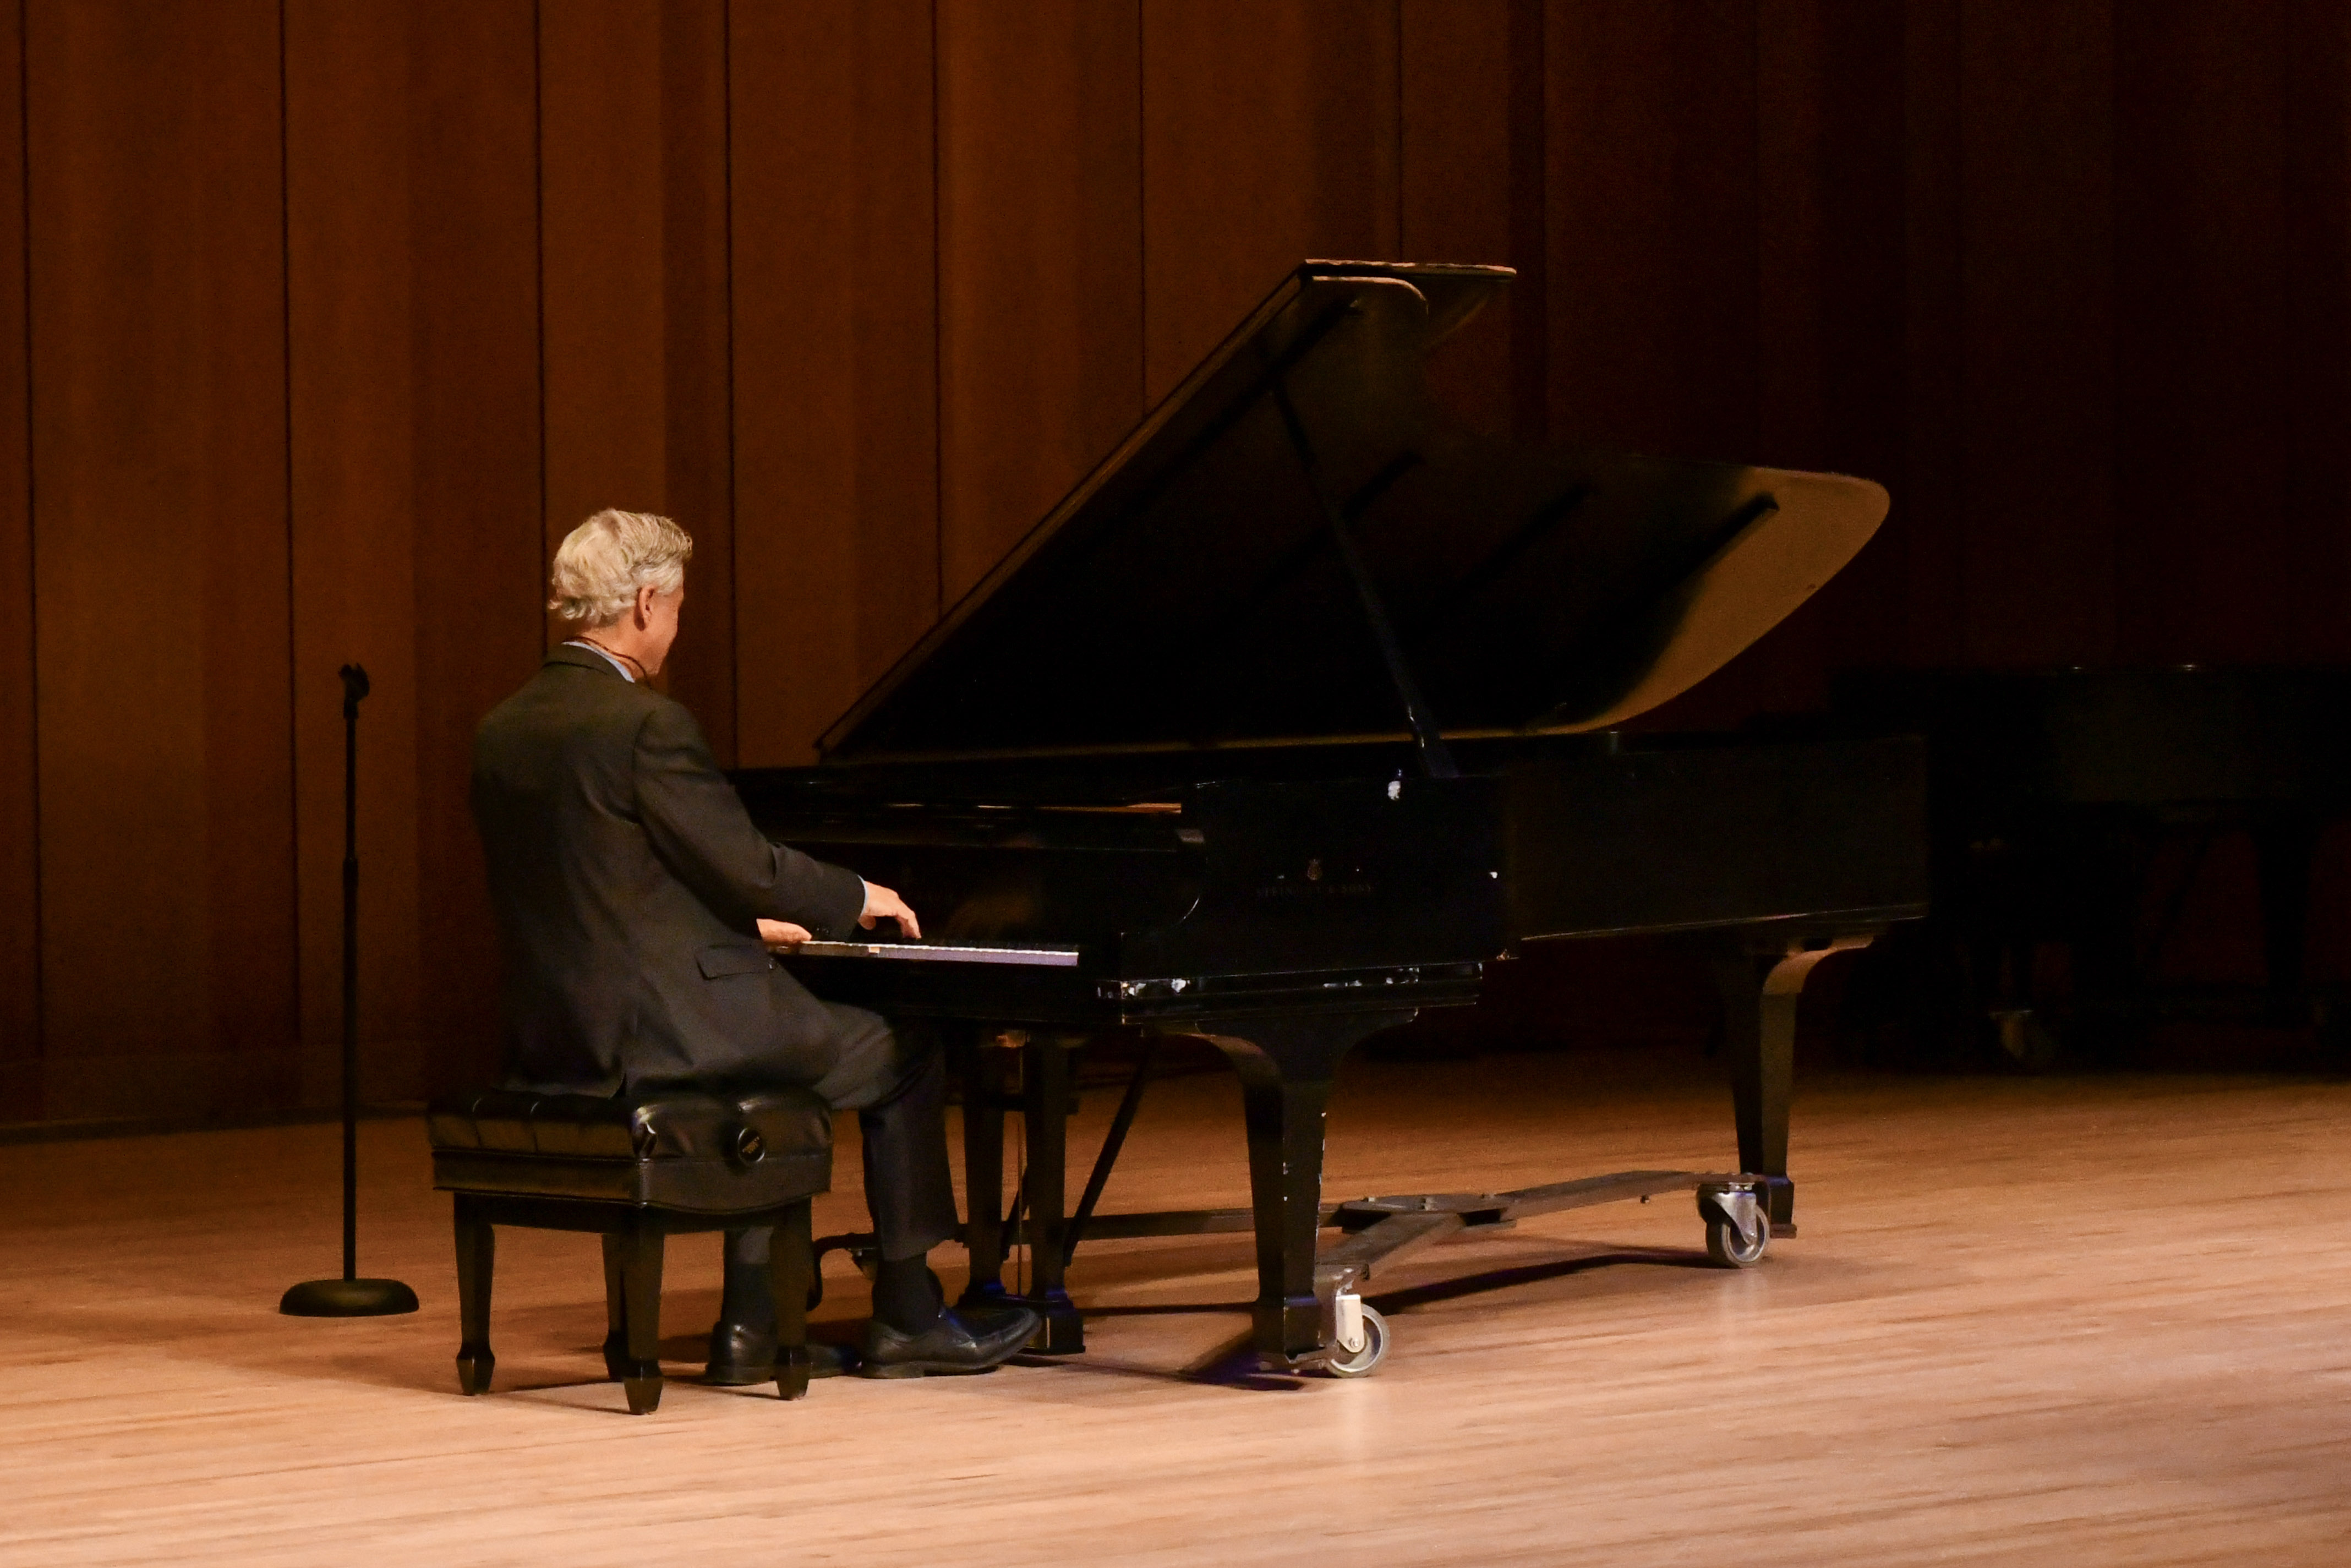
(616, 1309)
(641, 1283)
(476, 1257)
(791, 1264)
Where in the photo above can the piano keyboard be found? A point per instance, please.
(942, 953)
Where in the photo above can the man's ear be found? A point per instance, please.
(644, 606)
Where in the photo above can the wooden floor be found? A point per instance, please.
(2064, 1322)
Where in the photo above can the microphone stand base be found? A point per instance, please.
(346, 1299)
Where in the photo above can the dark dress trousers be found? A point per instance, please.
(628, 882)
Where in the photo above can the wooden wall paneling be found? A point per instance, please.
(601, 136)
(1269, 135)
(633, 246)
(2221, 558)
(1529, 130)
(2316, 263)
(836, 388)
(697, 352)
(159, 432)
(1932, 499)
(1652, 244)
(1794, 95)
(1654, 267)
(475, 357)
(2038, 345)
(351, 323)
(1457, 181)
(20, 904)
(1830, 359)
(2199, 200)
(1829, 162)
(1041, 263)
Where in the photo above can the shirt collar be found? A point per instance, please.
(617, 665)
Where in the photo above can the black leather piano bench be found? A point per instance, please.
(636, 1170)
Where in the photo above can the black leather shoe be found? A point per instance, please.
(964, 1340)
(740, 1356)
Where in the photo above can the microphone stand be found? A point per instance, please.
(350, 1296)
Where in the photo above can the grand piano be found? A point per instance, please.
(1297, 713)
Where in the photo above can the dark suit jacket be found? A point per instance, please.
(627, 878)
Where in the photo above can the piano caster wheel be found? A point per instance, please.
(1364, 1361)
(474, 1366)
(1730, 1249)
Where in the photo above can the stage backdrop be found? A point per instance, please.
(326, 317)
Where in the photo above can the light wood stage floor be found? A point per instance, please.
(2070, 1322)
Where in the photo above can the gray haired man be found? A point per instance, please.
(637, 908)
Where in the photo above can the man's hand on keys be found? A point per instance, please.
(881, 904)
(782, 935)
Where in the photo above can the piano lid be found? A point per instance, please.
(1190, 594)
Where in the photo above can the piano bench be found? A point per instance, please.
(635, 1170)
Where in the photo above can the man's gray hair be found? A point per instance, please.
(600, 564)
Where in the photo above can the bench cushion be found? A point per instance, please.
(700, 1153)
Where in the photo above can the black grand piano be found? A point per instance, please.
(1294, 716)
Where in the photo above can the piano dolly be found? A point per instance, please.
(1309, 1314)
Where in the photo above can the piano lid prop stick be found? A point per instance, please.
(1436, 757)
(350, 1296)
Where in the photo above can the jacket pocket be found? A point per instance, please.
(733, 959)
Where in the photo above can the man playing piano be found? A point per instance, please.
(637, 908)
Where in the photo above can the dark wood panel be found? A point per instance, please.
(2316, 504)
(2222, 349)
(1932, 497)
(1653, 188)
(602, 137)
(20, 899)
(836, 388)
(1531, 219)
(480, 580)
(697, 384)
(159, 435)
(352, 325)
(2071, 279)
(1830, 263)
(1458, 173)
(1269, 135)
(1041, 250)
(1652, 200)
(633, 121)
(1829, 350)
(2038, 349)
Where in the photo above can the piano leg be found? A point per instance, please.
(1286, 1071)
(1045, 1105)
(1760, 1039)
(983, 1154)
